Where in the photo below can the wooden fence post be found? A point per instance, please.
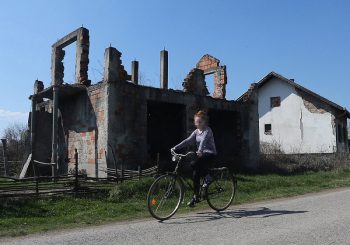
(36, 185)
(140, 171)
(76, 183)
(122, 167)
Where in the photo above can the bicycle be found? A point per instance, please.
(167, 191)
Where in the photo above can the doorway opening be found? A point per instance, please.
(224, 125)
(165, 128)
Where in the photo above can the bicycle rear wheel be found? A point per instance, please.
(221, 191)
(164, 196)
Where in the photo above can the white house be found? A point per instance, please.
(293, 119)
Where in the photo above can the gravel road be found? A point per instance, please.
(322, 218)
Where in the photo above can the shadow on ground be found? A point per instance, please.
(261, 212)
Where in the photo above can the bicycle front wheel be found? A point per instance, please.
(221, 191)
(164, 196)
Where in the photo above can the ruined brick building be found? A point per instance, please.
(117, 122)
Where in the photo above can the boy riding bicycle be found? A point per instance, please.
(203, 138)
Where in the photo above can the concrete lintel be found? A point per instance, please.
(68, 39)
(81, 37)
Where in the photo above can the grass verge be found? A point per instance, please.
(128, 201)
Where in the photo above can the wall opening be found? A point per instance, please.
(69, 63)
(209, 80)
(224, 125)
(165, 128)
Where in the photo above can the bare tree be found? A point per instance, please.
(16, 136)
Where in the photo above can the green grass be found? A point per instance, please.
(128, 201)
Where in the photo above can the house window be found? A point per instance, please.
(268, 129)
(275, 101)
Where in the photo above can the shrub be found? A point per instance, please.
(298, 163)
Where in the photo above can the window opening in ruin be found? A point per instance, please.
(268, 129)
(275, 101)
(225, 127)
(209, 80)
(69, 63)
(165, 128)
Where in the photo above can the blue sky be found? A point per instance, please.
(305, 40)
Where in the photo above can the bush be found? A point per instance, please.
(274, 160)
(299, 163)
(130, 190)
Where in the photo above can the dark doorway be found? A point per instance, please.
(165, 128)
(225, 129)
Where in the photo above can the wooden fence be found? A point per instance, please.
(67, 184)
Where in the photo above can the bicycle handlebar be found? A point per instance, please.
(180, 155)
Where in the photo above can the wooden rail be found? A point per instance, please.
(69, 184)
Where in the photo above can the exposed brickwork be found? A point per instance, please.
(247, 96)
(209, 65)
(312, 104)
(208, 62)
(82, 63)
(57, 67)
(194, 83)
(85, 143)
(220, 81)
(97, 99)
(90, 142)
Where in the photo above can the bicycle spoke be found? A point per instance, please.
(164, 197)
(221, 191)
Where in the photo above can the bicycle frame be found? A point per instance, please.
(179, 159)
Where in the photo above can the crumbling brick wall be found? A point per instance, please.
(208, 62)
(248, 95)
(91, 139)
(210, 65)
(195, 80)
(194, 83)
(88, 133)
(84, 142)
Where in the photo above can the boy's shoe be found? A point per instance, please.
(193, 202)
(207, 180)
